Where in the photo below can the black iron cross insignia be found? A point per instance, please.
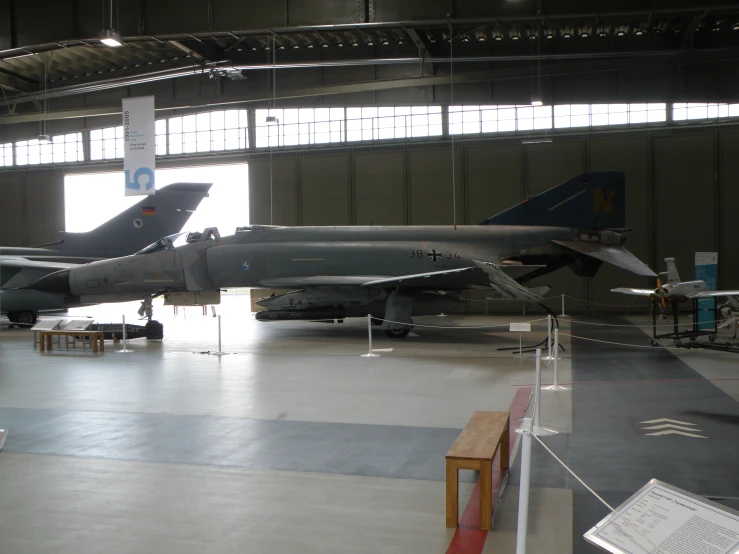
(434, 254)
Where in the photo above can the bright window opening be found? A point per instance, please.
(290, 127)
(61, 149)
(92, 199)
(375, 123)
(6, 154)
(208, 132)
(682, 112)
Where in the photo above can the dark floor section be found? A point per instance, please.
(609, 448)
(343, 448)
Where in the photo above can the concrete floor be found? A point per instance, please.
(291, 442)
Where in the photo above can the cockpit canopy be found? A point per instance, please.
(169, 242)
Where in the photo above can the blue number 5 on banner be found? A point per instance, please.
(140, 172)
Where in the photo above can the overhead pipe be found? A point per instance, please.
(115, 82)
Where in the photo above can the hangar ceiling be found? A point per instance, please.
(226, 39)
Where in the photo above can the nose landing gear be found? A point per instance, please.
(154, 330)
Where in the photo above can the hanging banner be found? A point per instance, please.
(706, 269)
(139, 145)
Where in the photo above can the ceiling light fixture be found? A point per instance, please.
(110, 38)
(537, 141)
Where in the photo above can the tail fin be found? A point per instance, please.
(154, 217)
(673, 277)
(590, 201)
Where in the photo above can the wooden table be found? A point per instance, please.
(95, 336)
(475, 448)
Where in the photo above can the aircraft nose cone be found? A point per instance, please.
(54, 283)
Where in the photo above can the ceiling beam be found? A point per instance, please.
(513, 73)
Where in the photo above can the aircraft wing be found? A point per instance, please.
(633, 292)
(447, 279)
(319, 280)
(714, 293)
(614, 255)
(451, 278)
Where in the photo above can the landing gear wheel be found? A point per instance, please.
(154, 330)
(712, 338)
(655, 343)
(26, 319)
(397, 333)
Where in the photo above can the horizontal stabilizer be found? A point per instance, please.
(614, 255)
(505, 285)
(590, 201)
(633, 292)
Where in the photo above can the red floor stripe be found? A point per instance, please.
(640, 381)
(468, 538)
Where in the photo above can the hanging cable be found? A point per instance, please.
(274, 94)
(451, 85)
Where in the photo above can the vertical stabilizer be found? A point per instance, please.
(672, 276)
(154, 217)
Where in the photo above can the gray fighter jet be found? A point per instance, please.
(393, 273)
(153, 217)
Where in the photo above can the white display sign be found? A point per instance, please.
(139, 145)
(47, 325)
(520, 327)
(662, 519)
(78, 325)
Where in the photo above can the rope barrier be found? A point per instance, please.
(621, 343)
(635, 324)
(506, 325)
(595, 494)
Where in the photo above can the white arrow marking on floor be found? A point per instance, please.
(673, 432)
(669, 426)
(665, 420)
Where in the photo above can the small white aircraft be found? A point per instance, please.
(675, 290)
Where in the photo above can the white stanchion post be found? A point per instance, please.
(563, 305)
(555, 382)
(125, 339)
(549, 338)
(370, 353)
(523, 491)
(220, 351)
(538, 429)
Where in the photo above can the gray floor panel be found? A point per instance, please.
(617, 388)
(349, 449)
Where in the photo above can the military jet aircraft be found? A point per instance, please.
(164, 213)
(676, 291)
(390, 272)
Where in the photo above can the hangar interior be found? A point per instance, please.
(366, 113)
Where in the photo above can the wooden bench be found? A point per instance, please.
(475, 448)
(96, 338)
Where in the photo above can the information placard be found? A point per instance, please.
(662, 519)
(47, 325)
(520, 327)
(78, 325)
